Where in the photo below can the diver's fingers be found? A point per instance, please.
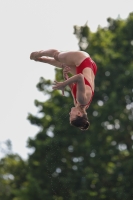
(63, 92)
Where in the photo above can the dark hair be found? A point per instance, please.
(81, 122)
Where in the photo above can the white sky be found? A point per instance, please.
(30, 25)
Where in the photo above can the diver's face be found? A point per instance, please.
(74, 113)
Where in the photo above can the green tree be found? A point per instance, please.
(70, 164)
(112, 49)
(13, 171)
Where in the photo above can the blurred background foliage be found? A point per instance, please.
(67, 163)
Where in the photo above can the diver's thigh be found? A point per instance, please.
(72, 57)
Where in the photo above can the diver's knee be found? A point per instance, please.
(56, 55)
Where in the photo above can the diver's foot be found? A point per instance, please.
(35, 55)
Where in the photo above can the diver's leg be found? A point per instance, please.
(37, 54)
(71, 69)
(73, 58)
(50, 61)
(68, 58)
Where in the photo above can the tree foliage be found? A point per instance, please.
(13, 172)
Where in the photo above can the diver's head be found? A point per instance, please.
(78, 118)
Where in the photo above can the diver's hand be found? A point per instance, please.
(59, 86)
(66, 70)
